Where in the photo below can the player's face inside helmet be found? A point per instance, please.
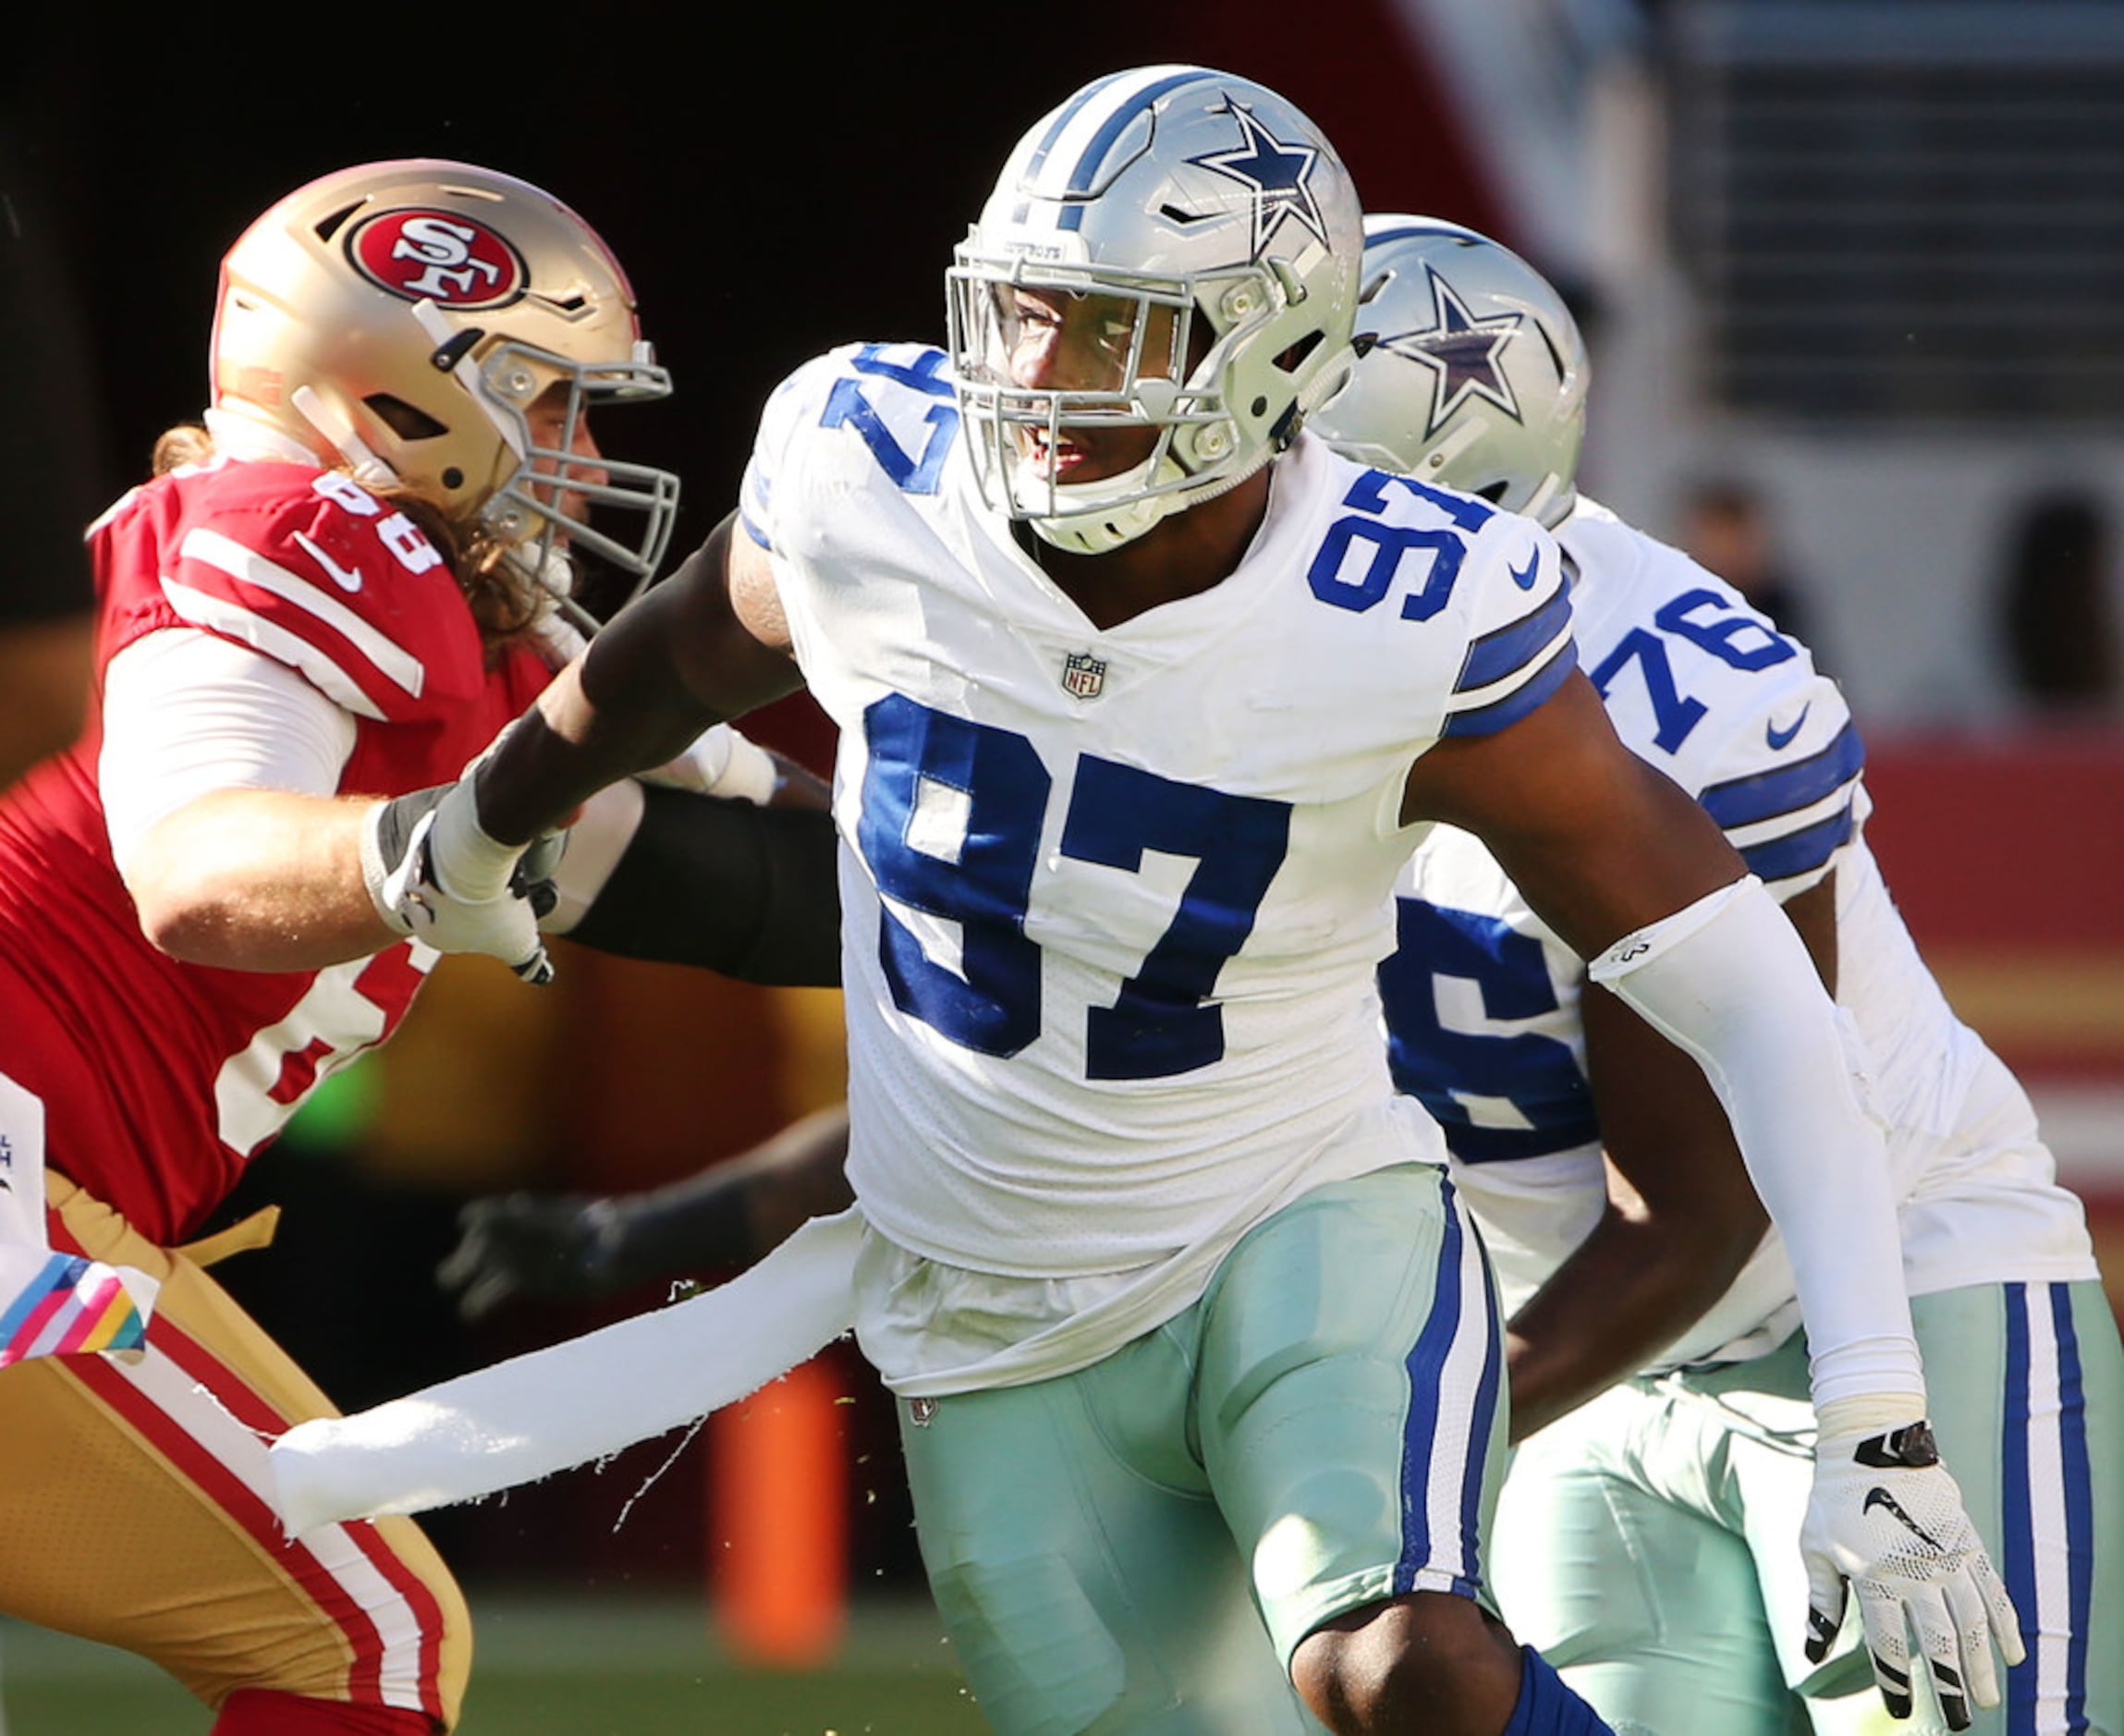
(1094, 352)
(1217, 215)
(563, 446)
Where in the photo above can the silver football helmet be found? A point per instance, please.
(1219, 234)
(401, 317)
(1474, 374)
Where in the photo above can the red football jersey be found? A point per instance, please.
(161, 1079)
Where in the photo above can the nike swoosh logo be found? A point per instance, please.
(1779, 738)
(1525, 580)
(1878, 1496)
(340, 575)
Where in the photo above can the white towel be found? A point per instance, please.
(583, 1398)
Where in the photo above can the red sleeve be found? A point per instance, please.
(310, 570)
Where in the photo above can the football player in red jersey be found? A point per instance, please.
(333, 594)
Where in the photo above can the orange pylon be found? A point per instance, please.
(778, 1520)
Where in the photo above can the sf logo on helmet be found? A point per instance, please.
(437, 256)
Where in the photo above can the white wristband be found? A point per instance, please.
(1869, 1413)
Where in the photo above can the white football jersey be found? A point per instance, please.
(1481, 1000)
(1114, 898)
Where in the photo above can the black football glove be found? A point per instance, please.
(552, 1246)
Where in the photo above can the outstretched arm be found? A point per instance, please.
(450, 864)
(1610, 852)
(258, 880)
(1681, 1220)
(1637, 878)
(752, 892)
(709, 643)
(521, 1245)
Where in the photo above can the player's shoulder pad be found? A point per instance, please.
(856, 383)
(1786, 782)
(1500, 582)
(857, 413)
(315, 571)
(1517, 624)
(1486, 588)
(1745, 722)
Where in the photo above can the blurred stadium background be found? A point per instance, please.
(1861, 262)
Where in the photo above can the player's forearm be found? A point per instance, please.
(1629, 1289)
(1730, 982)
(750, 892)
(257, 880)
(567, 746)
(686, 657)
(737, 1212)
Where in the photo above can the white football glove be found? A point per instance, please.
(1887, 1517)
(435, 875)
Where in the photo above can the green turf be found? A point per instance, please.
(603, 1668)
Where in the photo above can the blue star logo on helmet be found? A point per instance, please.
(1462, 352)
(1279, 174)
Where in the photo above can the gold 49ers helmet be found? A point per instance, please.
(400, 318)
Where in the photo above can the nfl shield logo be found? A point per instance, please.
(1084, 675)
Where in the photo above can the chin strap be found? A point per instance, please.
(1097, 533)
(1094, 531)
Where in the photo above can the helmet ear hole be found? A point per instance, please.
(329, 227)
(1293, 358)
(408, 422)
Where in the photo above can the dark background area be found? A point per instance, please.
(768, 203)
(769, 200)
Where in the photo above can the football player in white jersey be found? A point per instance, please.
(1144, 697)
(1646, 1538)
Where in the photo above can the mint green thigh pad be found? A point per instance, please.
(1648, 1541)
(1141, 1544)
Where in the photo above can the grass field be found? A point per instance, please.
(612, 1667)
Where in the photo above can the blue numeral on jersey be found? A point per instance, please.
(1159, 1024)
(1736, 637)
(847, 404)
(952, 814)
(1674, 715)
(1389, 543)
(1537, 1075)
(950, 826)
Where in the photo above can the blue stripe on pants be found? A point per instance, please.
(1427, 1365)
(2079, 1504)
(2017, 1560)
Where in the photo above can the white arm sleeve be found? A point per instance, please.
(1730, 980)
(186, 713)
